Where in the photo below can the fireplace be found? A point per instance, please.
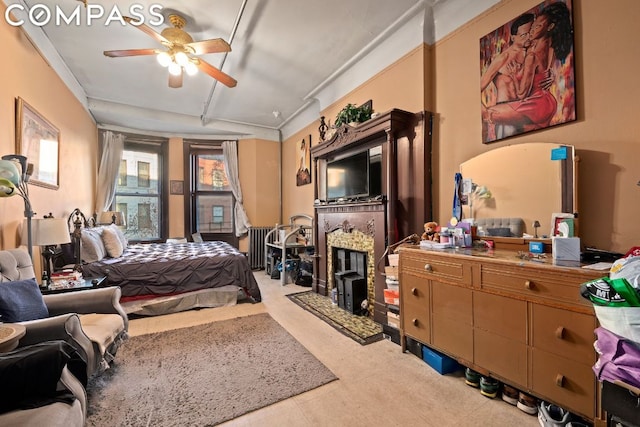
(351, 270)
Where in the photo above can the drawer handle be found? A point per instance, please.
(415, 322)
(559, 380)
(428, 267)
(560, 332)
(414, 291)
(528, 284)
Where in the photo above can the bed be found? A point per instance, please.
(159, 269)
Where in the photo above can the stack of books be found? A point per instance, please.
(65, 279)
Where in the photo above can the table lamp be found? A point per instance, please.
(49, 232)
(112, 217)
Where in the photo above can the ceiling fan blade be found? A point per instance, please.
(129, 52)
(175, 81)
(209, 46)
(223, 78)
(147, 30)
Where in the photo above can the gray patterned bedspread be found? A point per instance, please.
(167, 268)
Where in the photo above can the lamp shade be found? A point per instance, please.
(112, 217)
(47, 232)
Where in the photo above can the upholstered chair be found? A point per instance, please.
(93, 321)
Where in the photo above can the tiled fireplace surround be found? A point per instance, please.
(357, 227)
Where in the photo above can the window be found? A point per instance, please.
(122, 175)
(210, 206)
(141, 193)
(143, 174)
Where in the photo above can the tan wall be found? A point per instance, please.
(401, 85)
(605, 134)
(28, 76)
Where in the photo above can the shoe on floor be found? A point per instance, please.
(472, 378)
(550, 415)
(527, 403)
(489, 387)
(510, 394)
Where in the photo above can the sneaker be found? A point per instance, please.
(489, 387)
(550, 415)
(472, 378)
(510, 394)
(527, 403)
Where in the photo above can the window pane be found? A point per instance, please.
(143, 222)
(143, 174)
(212, 175)
(122, 175)
(215, 213)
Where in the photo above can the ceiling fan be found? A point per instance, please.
(180, 56)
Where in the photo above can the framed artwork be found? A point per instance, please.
(527, 78)
(176, 187)
(303, 160)
(39, 141)
(563, 225)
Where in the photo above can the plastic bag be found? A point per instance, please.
(627, 268)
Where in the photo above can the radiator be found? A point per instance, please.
(256, 246)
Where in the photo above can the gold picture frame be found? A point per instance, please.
(39, 141)
(176, 187)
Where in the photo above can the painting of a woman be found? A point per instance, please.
(543, 85)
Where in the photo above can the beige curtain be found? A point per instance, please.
(112, 148)
(230, 152)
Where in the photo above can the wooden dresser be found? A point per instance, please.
(521, 322)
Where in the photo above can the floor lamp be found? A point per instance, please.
(14, 176)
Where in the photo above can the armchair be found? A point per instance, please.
(92, 321)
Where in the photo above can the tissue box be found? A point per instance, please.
(565, 248)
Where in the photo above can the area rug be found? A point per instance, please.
(359, 328)
(203, 375)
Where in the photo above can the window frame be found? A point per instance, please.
(159, 146)
(191, 149)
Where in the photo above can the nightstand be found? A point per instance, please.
(83, 285)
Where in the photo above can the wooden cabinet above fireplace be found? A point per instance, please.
(389, 200)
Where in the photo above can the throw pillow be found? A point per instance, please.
(92, 248)
(30, 375)
(112, 243)
(21, 301)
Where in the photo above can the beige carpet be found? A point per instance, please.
(203, 375)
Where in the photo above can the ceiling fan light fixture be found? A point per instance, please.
(164, 59)
(181, 58)
(190, 68)
(175, 69)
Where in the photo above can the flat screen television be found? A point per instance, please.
(355, 176)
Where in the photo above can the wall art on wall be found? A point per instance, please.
(527, 72)
(176, 187)
(39, 141)
(303, 160)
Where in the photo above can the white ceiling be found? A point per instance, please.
(294, 57)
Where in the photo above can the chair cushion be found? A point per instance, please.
(102, 329)
(112, 242)
(21, 301)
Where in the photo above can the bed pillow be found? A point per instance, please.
(112, 242)
(123, 239)
(92, 248)
(21, 301)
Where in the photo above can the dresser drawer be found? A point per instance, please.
(450, 269)
(415, 307)
(569, 384)
(500, 315)
(533, 283)
(565, 333)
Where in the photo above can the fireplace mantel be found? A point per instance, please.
(405, 141)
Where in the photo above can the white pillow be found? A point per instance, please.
(92, 249)
(123, 239)
(111, 242)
